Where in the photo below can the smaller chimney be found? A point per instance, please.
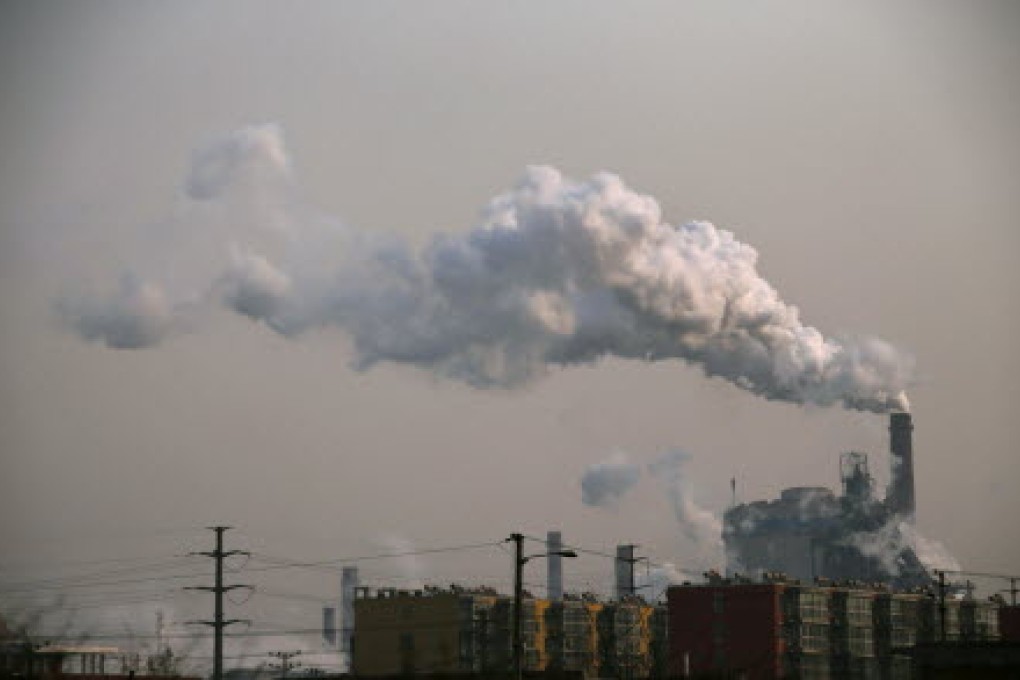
(624, 571)
(329, 626)
(900, 497)
(348, 592)
(553, 545)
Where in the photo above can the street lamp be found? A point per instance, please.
(519, 561)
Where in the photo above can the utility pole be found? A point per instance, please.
(1012, 591)
(218, 623)
(519, 561)
(942, 604)
(285, 665)
(518, 652)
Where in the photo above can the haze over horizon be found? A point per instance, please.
(868, 153)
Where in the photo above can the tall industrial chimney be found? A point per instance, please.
(900, 497)
(554, 545)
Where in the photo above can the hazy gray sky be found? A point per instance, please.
(869, 151)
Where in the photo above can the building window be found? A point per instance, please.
(466, 646)
(814, 638)
(719, 603)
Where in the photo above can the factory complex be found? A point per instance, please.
(809, 532)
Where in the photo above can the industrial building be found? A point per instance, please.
(781, 628)
(457, 630)
(810, 532)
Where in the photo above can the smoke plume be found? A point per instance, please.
(249, 155)
(135, 316)
(557, 273)
(604, 483)
(892, 543)
(701, 526)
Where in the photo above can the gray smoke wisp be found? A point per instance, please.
(135, 315)
(556, 273)
(654, 582)
(699, 525)
(604, 483)
(250, 155)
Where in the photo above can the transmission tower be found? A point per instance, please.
(219, 623)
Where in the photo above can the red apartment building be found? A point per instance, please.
(717, 628)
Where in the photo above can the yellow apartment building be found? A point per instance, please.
(459, 630)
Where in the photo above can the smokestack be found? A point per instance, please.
(553, 545)
(348, 586)
(900, 498)
(624, 571)
(329, 626)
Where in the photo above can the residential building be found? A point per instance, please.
(457, 630)
(782, 628)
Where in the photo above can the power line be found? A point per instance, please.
(53, 564)
(979, 573)
(89, 580)
(283, 563)
(603, 553)
(86, 580)
(115, 582)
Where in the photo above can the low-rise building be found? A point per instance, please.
(781, 628)
(457, 630)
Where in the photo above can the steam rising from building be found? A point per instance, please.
(556, 273)
(604, 483)
(701, 527)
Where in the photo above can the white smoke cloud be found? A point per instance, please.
(933, 554)
(248, 154)
(255, 288)
(890, 543)
(136, 315)
(557, 273)
(699, 525)
(604, 483)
